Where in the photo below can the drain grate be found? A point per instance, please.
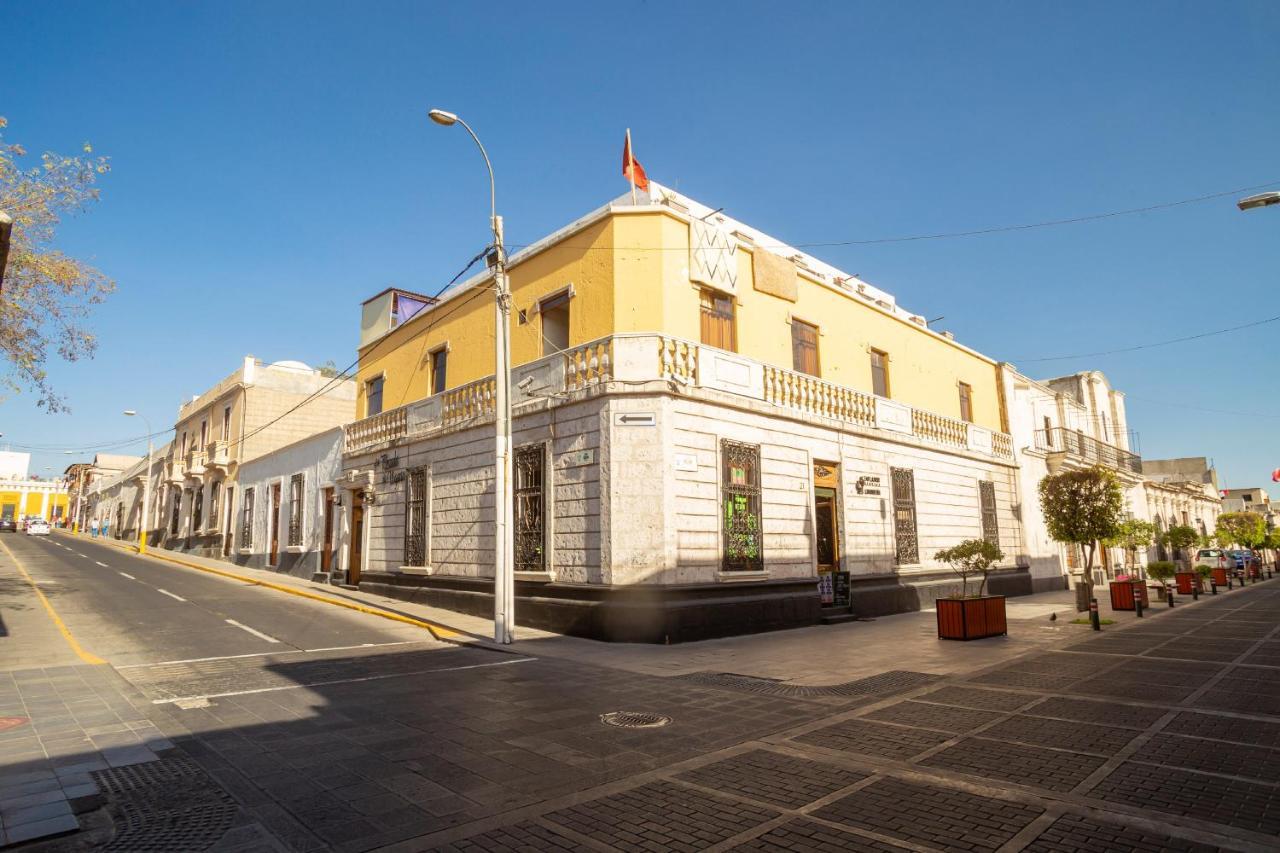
(634, 720)
(894, 681)
(165, 805)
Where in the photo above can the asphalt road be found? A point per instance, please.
(131, 610)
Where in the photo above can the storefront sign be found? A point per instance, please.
(841, 595)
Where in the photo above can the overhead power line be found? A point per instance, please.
(1150, 345)
(948, 235)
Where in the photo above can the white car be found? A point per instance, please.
(37, 527)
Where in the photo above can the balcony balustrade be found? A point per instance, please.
(639, 358)
(1077, 445)
(218, 455)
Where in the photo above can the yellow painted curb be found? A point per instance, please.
(440, 632)
(87, 657)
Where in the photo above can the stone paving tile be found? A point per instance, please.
(1226, 698)
(1268, 654)
(524, 837)
(1073, 833)
(1132, 689)
(1093, 711)
(1233, 759)
(973, 697)
(671, 816)
(1245, 805)
(804, 836)
(930, 814)
(774, 778)
(1220, 728)
(1027, 765)
(1200, 650)
(870, 738)
(1028, 680)
(927, 716)
(1063, 734)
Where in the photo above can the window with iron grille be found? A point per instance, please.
(990, 522)
(904, 516)
(530, 516)
(215, 490)
(740, 499)
(246, 520)
(197, 510)
(717, 320)
(177, 513)
(804, 347)
(415, 518)
(295, 509)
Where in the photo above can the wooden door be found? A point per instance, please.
(273, 521)
(357, 537)
(326, 548)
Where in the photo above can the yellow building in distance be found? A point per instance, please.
(701, 414)
(22, 496)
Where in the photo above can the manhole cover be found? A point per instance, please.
(7, 723)
(634, 720)
(165, 805)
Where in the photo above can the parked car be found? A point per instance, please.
(1214, 558)
(37, 527)
(8, 525)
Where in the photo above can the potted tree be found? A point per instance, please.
(1177, 538)
(1082, 508)
(1162, 571)
(971, 617)
(1132, 534)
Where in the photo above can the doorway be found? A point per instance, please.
(273, 521)
(326, 547)
(826, 537)
(357, 537)
(226, 528)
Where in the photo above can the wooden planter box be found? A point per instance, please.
(1186, 582)
(1219, 576)
(1123, 594)
(971, 618)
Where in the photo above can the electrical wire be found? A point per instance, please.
(948, 235)
(1150, 345)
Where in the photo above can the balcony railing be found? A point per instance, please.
(1076, 443)
(195, 463)
(641, 358)
(218, 454)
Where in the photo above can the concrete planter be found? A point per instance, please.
(971, 618)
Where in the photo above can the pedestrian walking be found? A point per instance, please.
(105, 525)
(93, 529)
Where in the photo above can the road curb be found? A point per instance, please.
(440, 632)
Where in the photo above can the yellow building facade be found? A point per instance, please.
(45, 499)
(628, 271)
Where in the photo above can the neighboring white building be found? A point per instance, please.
(115, 496)
(14, 465)
(287, 517)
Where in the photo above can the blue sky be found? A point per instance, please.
(273, 166)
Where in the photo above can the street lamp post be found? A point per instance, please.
(146, 486)
(504, 594)
(1260, 200)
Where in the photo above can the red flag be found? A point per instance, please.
(631, 167)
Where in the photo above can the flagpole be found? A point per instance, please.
(631, 167)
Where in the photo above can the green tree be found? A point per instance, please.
(47, 295)
(970, 557)
(1132, 534)
(329, 369)
(1180, 536)
(1082, 508)
(1246, 529)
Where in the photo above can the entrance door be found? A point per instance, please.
(326, 548)
(357, 537)
(826, 539)
(273, 521)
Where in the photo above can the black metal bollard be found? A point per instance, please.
(1195, 590)
(1213, 587)
(1168, 593)
(1137, 605)
(1093, 615)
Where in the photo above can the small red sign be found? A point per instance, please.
(7, 723)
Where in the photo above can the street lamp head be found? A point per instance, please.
(130, 412)
(1260, 200)
(442, 117)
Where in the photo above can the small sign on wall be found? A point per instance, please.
(685, 462)
(635, 419)
(868, 486)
